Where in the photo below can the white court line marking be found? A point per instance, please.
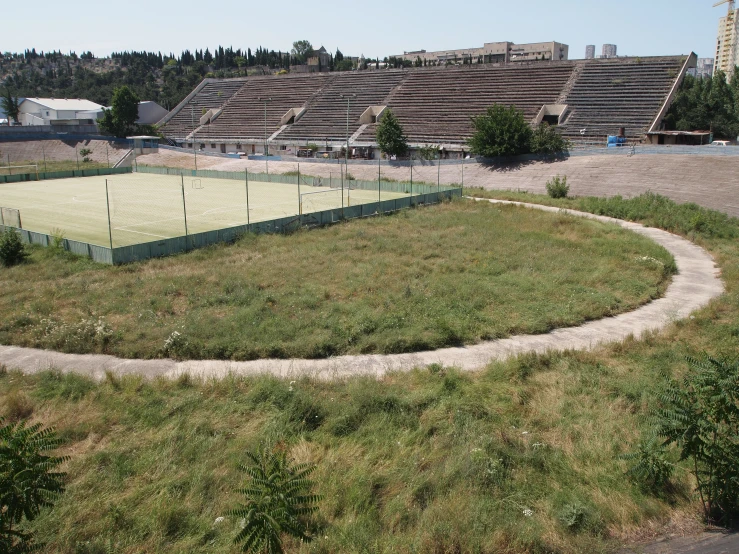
(139, 232)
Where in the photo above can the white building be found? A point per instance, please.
(590, 52)
(493, 52)
(703, 68)
(609, 51)
(727, 42)
(58, 111)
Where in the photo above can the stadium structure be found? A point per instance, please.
(586, 99)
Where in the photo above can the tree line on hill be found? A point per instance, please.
(163, 78)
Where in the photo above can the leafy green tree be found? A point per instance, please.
(302, 50)
(10, 105)
(278, 501)
(28, 481)
(701, 416)
(500, 131)
(390, 137)
(546, 140)
(120, 119)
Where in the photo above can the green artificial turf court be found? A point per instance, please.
(145, 207)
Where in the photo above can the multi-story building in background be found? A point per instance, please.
(590, 52)
(493, 52)
(703, 68)
(727, 42)
(609, 51)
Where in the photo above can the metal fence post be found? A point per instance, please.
(184, 209)
(43, 153)
(379, 176)
(463, 176)
(411, 202)
(246, 174)
(107, 155)
(77, 155)
(110, 228)
(300, 200)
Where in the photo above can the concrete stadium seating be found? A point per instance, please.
(326, 117)
(243, 115)
(609, 94)
(210, 94)
(434, 105)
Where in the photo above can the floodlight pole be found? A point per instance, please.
(348, 104)
(194, 147)
(300, 200)
(411, 177)
(266, 146)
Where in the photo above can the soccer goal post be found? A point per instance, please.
(19, 169)
(10, 217)
(319, 200)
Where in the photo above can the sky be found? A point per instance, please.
(383, 28)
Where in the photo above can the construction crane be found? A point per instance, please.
(728, 45)
(729, 2)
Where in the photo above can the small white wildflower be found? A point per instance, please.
(218, 520)
(525, 433)
(528, 512)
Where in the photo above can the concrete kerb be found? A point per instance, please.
(696, 284)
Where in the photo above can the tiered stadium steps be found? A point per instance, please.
(610, 94)
(243, 116)
(326, 118)
(212, 94)
(435, 105)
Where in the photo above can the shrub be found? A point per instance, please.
(557, 187)
(701, 416)
(428, 152)
(546, 140)
(12, 250)
(28, 481)
(648, 467)
(500, 132)
(278, 499)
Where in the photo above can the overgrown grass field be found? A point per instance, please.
(521, 457)
(452, 274)
(51, 165)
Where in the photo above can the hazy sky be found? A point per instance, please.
(638, 27)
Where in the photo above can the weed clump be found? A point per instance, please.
(557, 187)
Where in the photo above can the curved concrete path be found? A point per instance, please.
(696, 283)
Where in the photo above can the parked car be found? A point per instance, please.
(720, 143)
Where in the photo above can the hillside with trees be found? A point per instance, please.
(163, 78)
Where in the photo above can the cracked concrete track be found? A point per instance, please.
(696, 284)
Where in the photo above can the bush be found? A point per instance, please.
(28, 481)
(701, 416)
(12, 250)
(546, 140)
(557, 187)
(500, 132)
(278, 500)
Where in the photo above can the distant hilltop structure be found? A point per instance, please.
(492, 52)
(590, 52)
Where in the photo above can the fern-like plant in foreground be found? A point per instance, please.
(28, 481)
(701, 416)
(278, 501)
